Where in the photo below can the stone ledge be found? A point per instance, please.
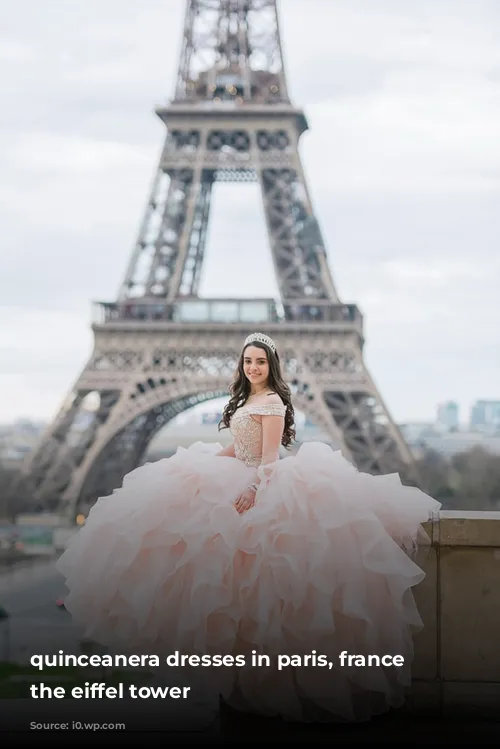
(457, 652)
(438, 699)
(466, 528)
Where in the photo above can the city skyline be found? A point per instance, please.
(465, 417)
(402, 159)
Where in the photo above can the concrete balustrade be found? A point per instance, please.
(457, 655)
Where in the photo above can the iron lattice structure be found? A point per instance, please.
(160, 348)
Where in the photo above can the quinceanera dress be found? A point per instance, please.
(318, 564)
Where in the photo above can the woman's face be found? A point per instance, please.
(256, 366)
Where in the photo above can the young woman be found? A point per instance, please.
(236, 551)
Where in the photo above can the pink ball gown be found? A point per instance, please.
(318, 564)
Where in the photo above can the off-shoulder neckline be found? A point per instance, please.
(261, 403)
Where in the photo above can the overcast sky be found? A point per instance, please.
(402, 159)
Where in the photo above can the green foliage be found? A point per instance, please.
(15, 493)
(469, 480)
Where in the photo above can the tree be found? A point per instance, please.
(434, 469)
(6, 479)
(479, 472)
(469, 480)
(15, 492)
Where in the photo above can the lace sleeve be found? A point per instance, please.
(264, 473)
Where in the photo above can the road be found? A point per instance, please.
(36, 624)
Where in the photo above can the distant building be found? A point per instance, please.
(17, 440)
(211, 417)
(485, 416)
(451, 443)
(448, 416)
(423, 436)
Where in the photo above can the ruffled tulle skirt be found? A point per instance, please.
(318, 566)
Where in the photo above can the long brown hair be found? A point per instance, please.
(240, 391)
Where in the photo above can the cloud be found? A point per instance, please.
(41, 354)
(60, 155)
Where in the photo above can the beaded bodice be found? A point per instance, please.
(247, 431)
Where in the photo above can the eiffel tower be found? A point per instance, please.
(160, 348)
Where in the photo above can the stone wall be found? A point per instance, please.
(457, 655)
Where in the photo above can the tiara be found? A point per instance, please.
(260, 338)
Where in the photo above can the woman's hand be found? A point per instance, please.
(245, 501)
